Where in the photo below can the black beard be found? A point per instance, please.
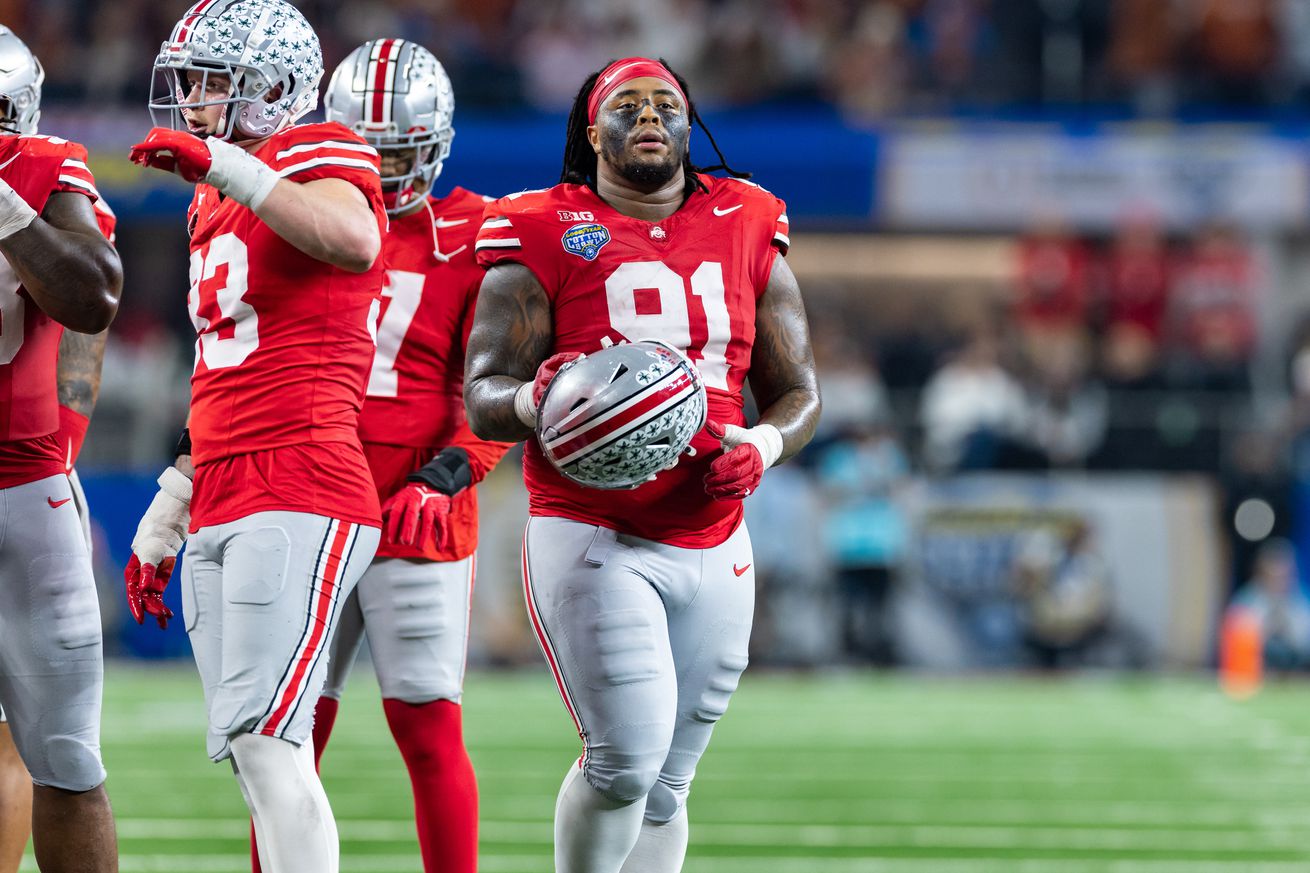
(644, 174)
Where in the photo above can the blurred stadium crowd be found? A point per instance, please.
(1145, 347)
(870, 57)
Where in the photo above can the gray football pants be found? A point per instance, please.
(51, 661)
(261, 598)
(647, 642)
(416, 617)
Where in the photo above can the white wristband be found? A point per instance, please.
(15, 214)
(239, 174)
(524, 408)
(766, 439)
(175, 483)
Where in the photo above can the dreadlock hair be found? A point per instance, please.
(580, 159)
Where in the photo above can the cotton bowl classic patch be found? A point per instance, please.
(586, 240)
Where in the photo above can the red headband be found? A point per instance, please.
(625, 71)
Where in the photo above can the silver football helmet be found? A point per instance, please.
(396, 95)
(615, 418)
(263, 47)
(20, 85)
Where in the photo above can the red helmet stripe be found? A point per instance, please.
(184, 27)
(381, 73)
(646, 406)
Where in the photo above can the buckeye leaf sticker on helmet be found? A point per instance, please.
(615, 418)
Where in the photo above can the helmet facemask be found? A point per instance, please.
(265, 48)
(247, 111)
(20, 105)
(427, 151)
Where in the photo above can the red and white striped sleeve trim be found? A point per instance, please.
(497, 233)
(781, 239)
(106, 220)
(75, 175)
(328, 153)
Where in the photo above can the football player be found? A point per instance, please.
(58, 271)
(286, 225)
(77, 379)
(413, 602)
(641, 599)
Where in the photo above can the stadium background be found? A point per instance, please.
(1056, 256)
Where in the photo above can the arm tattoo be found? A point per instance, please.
(782, 373)
(512, 334)
(78, 373)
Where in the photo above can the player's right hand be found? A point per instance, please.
(158, 538)
(174, 151)
(145, 589)
(548, 370)
(414, 510)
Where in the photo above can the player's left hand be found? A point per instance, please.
(747, 453)
(174, 151)
(414, 509)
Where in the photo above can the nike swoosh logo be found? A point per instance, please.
(610, 78)
(740, 570)
(722, 212)
(441, 222)
(55, 504)
(11, 160)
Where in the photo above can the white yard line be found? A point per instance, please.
(497, 863)
(872, 837)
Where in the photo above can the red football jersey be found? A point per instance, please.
(691, 280)
(283, 346)
(35, 167)
(415, 401)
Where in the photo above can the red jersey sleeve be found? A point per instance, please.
(512, 233)
(769, 227)
(328, 151)
(75, 177)
(483, 454)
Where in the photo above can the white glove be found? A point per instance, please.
(15, 214)
(239, 174)
(163, 528)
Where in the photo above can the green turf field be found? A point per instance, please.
(807, 774)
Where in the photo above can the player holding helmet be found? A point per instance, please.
(58, 271)
(413, 602)
(641, 599)
(285, 228)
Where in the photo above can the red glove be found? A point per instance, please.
(145, 589)
(737, 472)
(548, 370)
(174, 151)
(416, 508)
